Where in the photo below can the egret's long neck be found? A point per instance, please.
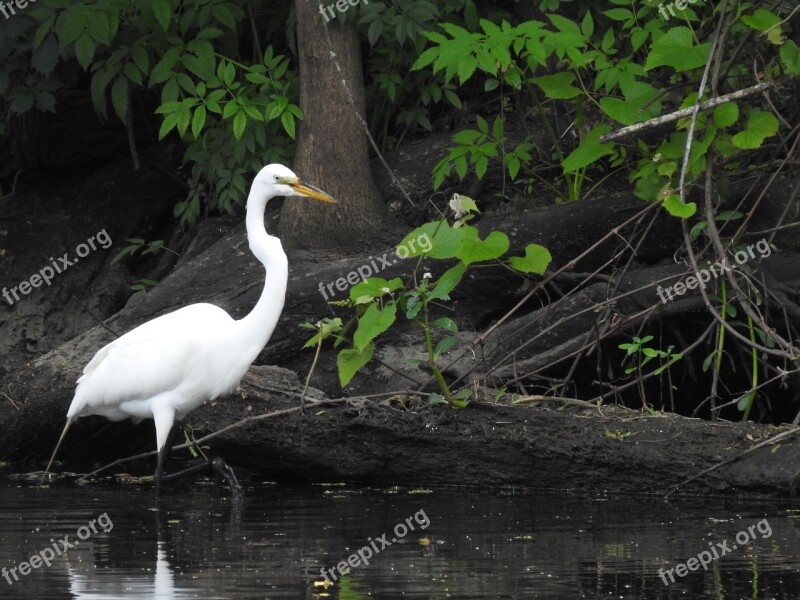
(259, 324)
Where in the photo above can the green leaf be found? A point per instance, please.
(677, 208)
(444, 345)
(726, 115)
(708, 360)
(760, 126)
(446, 323)
(84, 50)
(746, 401)
(728, 215)
(287, 120)
(198, 120)
(436, 399)
(618, 14)
(760, 20)
(170, 122)
(473, 249)
(373, 323)
(790, 55)
(590, 150)
(447, 282)
(119, 97)
(140, 58)
(374, 287)
(442, 241)
(697, 229)
(536, 260)
(223, 14)
(239, 123)
(462, 394)
(558, 86)
(69, 27)
(676, 49)
(638, 95)
(162, 12)
(587, 26)
(350, 361)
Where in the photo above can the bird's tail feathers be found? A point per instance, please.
(58, 445)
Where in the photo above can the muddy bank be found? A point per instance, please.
(528, 443)
(536, 444)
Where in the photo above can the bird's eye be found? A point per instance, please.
(277, 179)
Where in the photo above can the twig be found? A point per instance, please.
(779, 23)
(10, 400)
(537, 398)
(685, 112)
(311, 372)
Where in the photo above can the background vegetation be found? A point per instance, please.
(526, 94)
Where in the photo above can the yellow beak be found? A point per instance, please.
(310, 191)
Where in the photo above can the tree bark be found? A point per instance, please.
(332, 151)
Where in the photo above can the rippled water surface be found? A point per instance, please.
(464, 544)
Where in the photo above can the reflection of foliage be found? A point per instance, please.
(349, 589)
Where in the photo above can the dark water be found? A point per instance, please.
(465, 544)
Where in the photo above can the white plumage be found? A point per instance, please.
(169, 366)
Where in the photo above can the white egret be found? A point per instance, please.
(167, 367)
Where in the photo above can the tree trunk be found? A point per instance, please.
(332, 150)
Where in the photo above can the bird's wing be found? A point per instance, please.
(149, 360)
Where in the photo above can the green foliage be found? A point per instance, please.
(644, 354)
(139, 245)
(234, 114)
(141, 287)
(235, 106)
(603, 60)
(378, 303)
(401, 101)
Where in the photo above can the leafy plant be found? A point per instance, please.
(233, 111)
(642, 355)
(139, 245)
(378, 303)
(141, 287)
(614, 74)
(405, 101)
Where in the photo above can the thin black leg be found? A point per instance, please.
(160, 469)
(163, 455)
